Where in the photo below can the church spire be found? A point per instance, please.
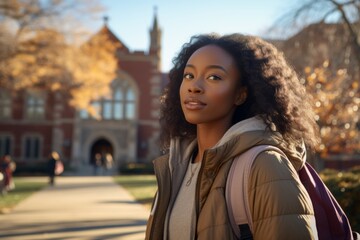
(106, 20)
(155, 40)
(155, 23)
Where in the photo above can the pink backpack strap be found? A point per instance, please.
(237, 187)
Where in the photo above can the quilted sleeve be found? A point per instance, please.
(280, 206)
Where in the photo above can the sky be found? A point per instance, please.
(131, 20)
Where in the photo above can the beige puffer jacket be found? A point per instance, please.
(280, 205)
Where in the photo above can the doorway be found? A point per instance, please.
(102, 147)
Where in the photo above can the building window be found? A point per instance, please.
(35, 105)
(107, 109)
(130, 103)
(120, 105)
(32, 147)
(5, 104)
(84, 114)
(5, 145)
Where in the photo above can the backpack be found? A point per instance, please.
(59, 167)
(331, 221)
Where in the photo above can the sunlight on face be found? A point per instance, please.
(210, 88)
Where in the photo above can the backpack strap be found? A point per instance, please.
(237, 187)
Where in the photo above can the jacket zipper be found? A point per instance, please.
(197, 192)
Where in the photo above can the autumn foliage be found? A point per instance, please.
(37, 52)
(336, 103)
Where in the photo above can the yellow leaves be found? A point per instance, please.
(336, 103)
(94, 68)
(324, 131)
(355, 85)
(352, 133)
(341, 72)
(326, 64)
(55, 86)
(45, 58)
(311, 77)
(307, 70)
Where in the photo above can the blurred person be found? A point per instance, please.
(97, 163)
(7, 167)
(227, 94)
(55, 166)
(108, 161)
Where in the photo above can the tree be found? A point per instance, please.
(337, 108)
(343, 12)
(327, 54)
(37, 51)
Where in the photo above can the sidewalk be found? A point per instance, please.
(77, 208)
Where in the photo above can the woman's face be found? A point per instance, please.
(210, 91)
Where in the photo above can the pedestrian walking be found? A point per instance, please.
(7, 167)
(55, 167)
(97, 163)
(108, 161)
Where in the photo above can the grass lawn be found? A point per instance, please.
(142, 187)
(24, 187)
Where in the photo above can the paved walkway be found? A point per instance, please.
(76, 208)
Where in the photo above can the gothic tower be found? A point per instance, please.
(155, 42)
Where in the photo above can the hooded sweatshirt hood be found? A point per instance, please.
(237, 139)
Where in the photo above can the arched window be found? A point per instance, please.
(121, 104)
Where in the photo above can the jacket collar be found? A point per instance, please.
(237, 139)
(181, 149)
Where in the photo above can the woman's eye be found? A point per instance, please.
(188, 76)
(214, 77)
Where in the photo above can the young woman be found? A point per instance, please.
(226, 95)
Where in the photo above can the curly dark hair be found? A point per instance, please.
(274, 90)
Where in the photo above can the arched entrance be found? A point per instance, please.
(102, 147)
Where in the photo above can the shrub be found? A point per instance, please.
(33, 169)
(345, 186)
(36, 168)
(136, 168)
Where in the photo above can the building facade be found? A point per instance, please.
(34, 122)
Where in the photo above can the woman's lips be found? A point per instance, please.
(194, 104)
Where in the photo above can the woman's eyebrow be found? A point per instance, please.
(209, 67)
(190, 66)
(217, 67)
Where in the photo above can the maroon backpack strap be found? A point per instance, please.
(331, 221)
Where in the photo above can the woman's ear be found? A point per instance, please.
(242, 95)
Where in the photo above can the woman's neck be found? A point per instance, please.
(207, 137)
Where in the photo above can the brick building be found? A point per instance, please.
(34, 122)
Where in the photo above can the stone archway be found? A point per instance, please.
(102, 157)
(101, 146)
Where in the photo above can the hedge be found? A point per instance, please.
(345, 186)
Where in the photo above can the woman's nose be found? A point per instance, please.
(195, 87)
